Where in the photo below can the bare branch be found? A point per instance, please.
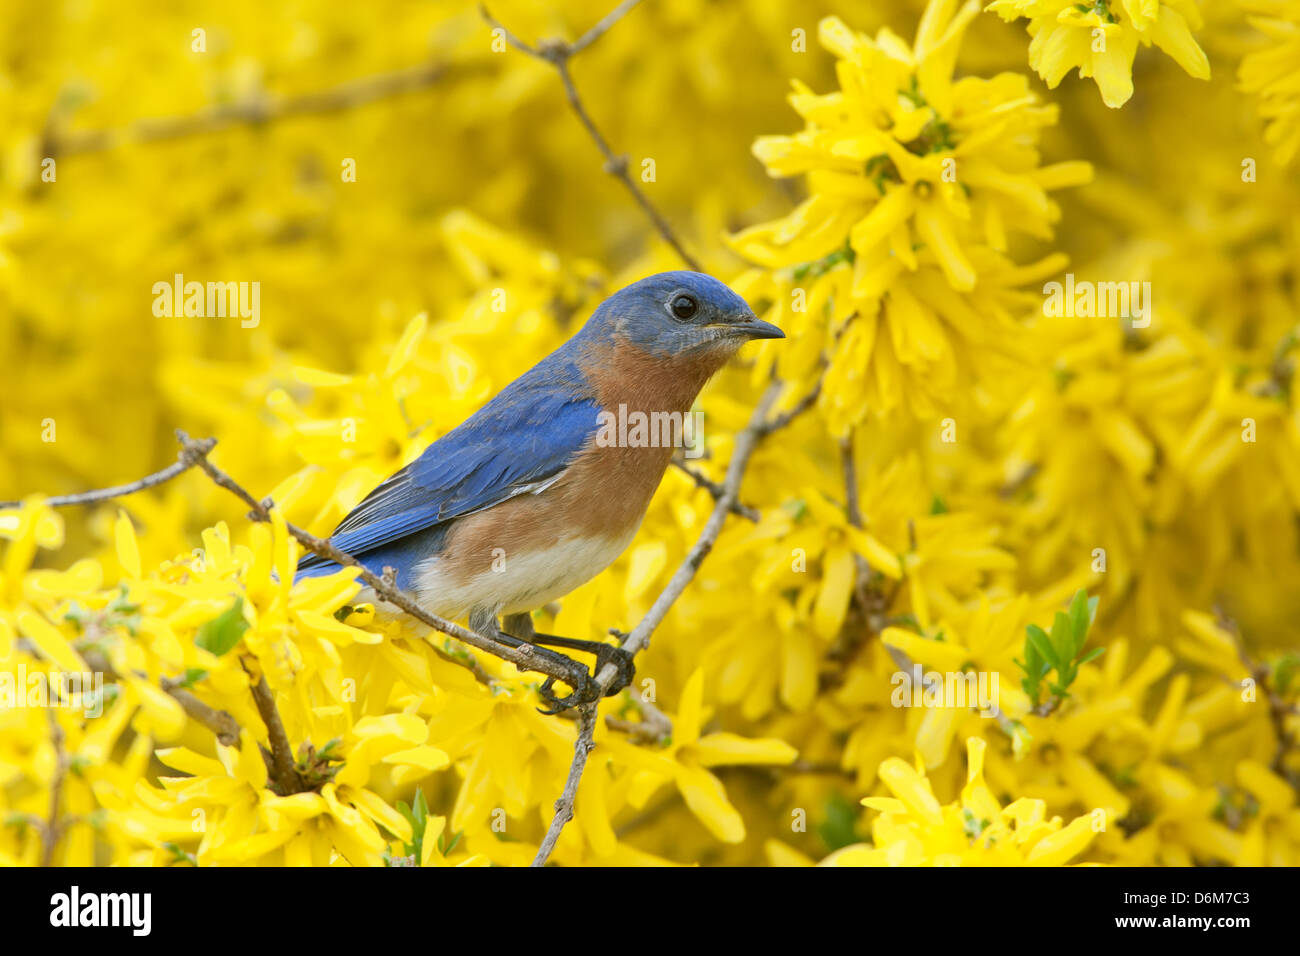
(654, 724)
(715, 489)
(183, 464)
(284, 774)
(345, 96)
(1278, 708)
(564, 806)
(785, 418)
(220, 722)
(558, 53)
(53, 828)
(605, 22)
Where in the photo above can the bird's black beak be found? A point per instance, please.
(756, 328)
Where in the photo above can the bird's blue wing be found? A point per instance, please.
(523, 438)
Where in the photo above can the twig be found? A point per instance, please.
(117, 491)
(605, 22)
(653, 726)
(564, 806)
(220, 722)
(1278, 708)
(874, 616)
(284, 774)
(853, 511)
(715, 489)
(785, 418)
(54, 828)
(347, 95)
(558, 53)
(1020, 481)
(869, 602)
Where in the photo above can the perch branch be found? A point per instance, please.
(526, 657)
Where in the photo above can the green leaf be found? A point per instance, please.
(837, 828)
(444, 847)
(417, 816)
(1092, 655)
(1062, 639)
(1038, 640)
(1079, 619)
(223, 632)
(192, 676)
(1284, 672)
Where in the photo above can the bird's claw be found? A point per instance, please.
(609, 654)
(589, 691)
(557, 704)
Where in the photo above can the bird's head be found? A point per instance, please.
(680, 314)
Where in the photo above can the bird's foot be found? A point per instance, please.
(585, 694)
(590, 691)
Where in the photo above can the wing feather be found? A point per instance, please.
(518, 443)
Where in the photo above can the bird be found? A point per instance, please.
(535, 493)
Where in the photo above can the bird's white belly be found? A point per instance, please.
(516, 582)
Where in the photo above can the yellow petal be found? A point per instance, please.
(912, 788)
(1059, 847)
(720, 749)
(128, 549)
(707, 799)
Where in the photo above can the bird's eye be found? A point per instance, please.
(683, 306)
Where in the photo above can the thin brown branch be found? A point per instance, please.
(777, 422)
(1278, 708)
(715, 489)
(605, 22)
(348, 95)
(284, 775)
(653, 726)
(53, 828)
(870, 605)
(220, 722)
(558, 53)
(117, 491)
(564, 806)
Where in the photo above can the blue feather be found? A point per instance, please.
(528, 434)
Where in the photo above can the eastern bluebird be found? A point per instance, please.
(528, 499)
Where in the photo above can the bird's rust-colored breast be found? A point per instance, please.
(619, 480)
(604, 493)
